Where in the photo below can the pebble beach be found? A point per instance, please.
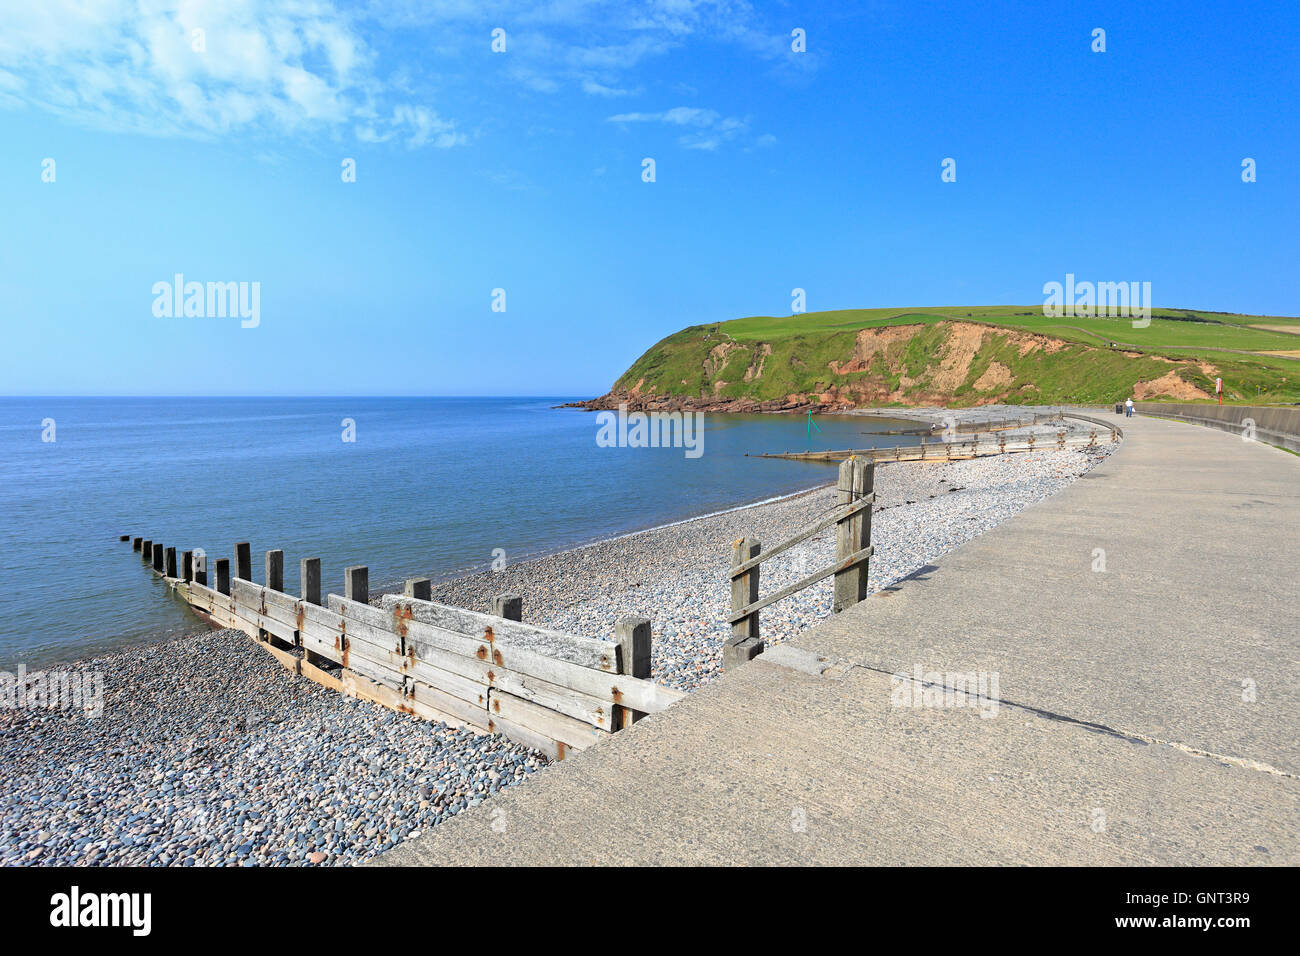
(208, 752)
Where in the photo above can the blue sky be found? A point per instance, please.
(522, 170)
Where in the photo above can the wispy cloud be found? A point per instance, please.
(707, 129)
(376, 71)
(204, 68)
(595, 45)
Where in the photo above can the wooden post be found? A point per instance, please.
(864, 484)
(356, 583)
(419, 588)
(845, 589)
(275, 570)
(158, 557)
(853, 534)
(200, 568)
(744, 589)
(124, 537)
(508, 605)
(187, 566)
(223, 575)
(309, 574)
(137, 544)
(243, 561)
(744, 643)
(146, 551)
(633, 636)
(170, 562)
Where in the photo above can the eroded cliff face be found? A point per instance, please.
(953, 364)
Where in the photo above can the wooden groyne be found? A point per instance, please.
(994, 442)
(546, 689)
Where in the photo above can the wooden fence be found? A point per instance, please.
(852, 521)
(995, 444)
(547, 689)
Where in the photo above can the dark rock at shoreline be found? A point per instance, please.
(679, 403)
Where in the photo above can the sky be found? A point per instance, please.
(141, 139)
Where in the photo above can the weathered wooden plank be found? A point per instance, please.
(218, 606)
(355, 645)
(458, 685)
(640, 695)
(288, 618)
(318, 639)
(278, 599)
(320, 676)
(394, 618)
(553, 749)
(571, 703)
(286, 632)
(423, 638)
(254, 603)
(421, 656)
(461, 710)
(375, 670)
(290, 662)
(577, 649)
(573, 733)
(359, 685)
(240, 624)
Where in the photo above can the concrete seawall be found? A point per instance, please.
(1275, 424)
(1141, 626)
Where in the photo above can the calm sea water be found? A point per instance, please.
(429, 487)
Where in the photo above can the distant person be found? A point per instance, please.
(1128, 408)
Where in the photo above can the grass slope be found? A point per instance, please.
(968, 356)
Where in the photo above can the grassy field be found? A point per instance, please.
(1168, 329)
(974, 355)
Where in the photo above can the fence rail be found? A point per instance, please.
(853, 550)
(548, 689)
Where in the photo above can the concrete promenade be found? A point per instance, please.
(1147, 713)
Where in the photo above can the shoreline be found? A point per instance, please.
(210, 752)
(109, 650)
(393, 587)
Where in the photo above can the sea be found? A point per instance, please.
(430, 487)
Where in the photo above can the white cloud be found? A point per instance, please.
(364, 67)
(204, 68)
(591, 45)
(708, 129)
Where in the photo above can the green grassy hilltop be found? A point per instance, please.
(962, 356)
